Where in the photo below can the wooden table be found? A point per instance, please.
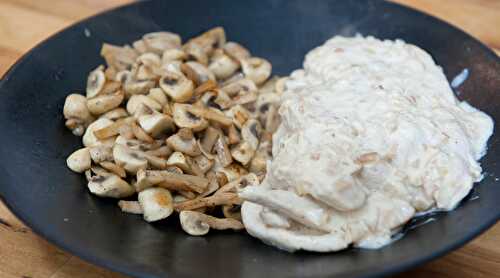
(23, 23)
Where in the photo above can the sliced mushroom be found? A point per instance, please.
(148, 178)
(179, 160)
(145, 73)
(110, 73)
(197, 224)
(115, 114)
(222, 65)
(232, 211)
(131, 160)
(204, 87)
(79, 161)
(272, 120)
(256, 69)
(233, 172)
(184, 118)
(113, 168)
(110, 186)
(222, 150)
(149, 60)
(211, 201)
(237, 184)
(156, 203)
(213, 38)
(163, 151)
(243, 152)
(203, 163)
(197, 72)
(76, 112)
(210, 114)
(158, 42)
(245, 98)
(95, 82)
(239, 114)
(280, 85)
(136, 144)
(240, 87)
(140, 46)
(236, 51)
(233, 135)
(118, 57)
(265, 101)
(104, 103)
(130, 207)
(184, 145)
(89, 139)
(158, 95)
(156, 124)
(137, 87)
(141, 134)
(177, 86)
(101, 153)
(174, 54)
(250, 132)
(195, 52)
(137, 100)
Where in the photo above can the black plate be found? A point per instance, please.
(53, 201)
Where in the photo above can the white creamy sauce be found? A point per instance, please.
(371, 135)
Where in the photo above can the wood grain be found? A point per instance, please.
(23, 23)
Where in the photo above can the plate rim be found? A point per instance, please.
(83, 253)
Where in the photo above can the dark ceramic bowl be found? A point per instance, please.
(56, 204)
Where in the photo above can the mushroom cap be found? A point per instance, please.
(184, 118)
(131, 160)
(95, 82)
(89, 138)
(75, 106)
(136, 101)
(192, 224)
(79, 161)
(156, 203)
(236, 50)
(156, 124)
(174, 54)
(110, 186)
(103, 103)
(177, 86)
(256, 69)
(197, 72)
(222, 65)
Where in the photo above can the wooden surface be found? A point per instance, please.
(23, 23)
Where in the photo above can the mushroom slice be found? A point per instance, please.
(156, 203)
(101, 153)
(156, 124)
(79, 161)
(197, 72)
(145, 73)
(163, 151)
(131, 160)
(158, 42)
(148, 178)
(137, 87)
(150, 60)
(195, 52)
(213, 186)
(130, 207)
(211, 201)
(204, 87)
(115, 114)
(184, 145)
(179, 160)
(245, 98)
(243, 152)
(156, 162)
(136, 101)
(198, 224)
(210, 114)
(89, 139)
(222, 65)
(222, 150)
(135, 144)
(104, 103)
(280, 85)
(113, 168)
(213, 38)
(250, 132)
(110, 186)
(184, 118)
(233, 172)
(265, 101)
(232, 211)
(239, 183)
(236, 51)
(95, 82)
(239, 114)
(110, 73)
(240, 87)
(77, 113)
(177, 86)
(233, 135)
(272, 120)
(140, 134)
(118, 57)
(256, 69)
(269, 86)
(140, 46)
(259, 163)
(209, 138)
(203, 163)
(110, 87)
(173, 54)
(158, 95)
